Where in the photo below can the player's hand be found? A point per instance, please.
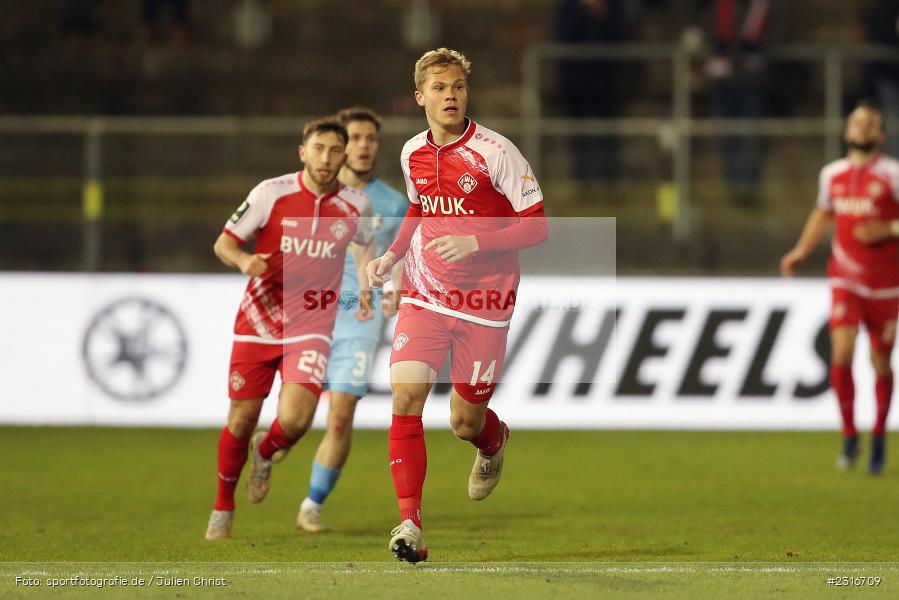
(365, 312)
(254, 265)
(378, 270)
(452, 248)
(872, 231)
(390, 303)
(790, 260)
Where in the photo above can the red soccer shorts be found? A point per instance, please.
(848, 309)
(253, 366)
(476, 351)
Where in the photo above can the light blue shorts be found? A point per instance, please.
(349, 367)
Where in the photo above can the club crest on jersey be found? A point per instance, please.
(237, 381)
(467, 183)
(401, 340)
(339, 229)
(875, 188)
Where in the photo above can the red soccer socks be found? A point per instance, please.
(844, 388)
(232, 454)
(883, 391)
(408, 464)
(274, 440)
(490, 440)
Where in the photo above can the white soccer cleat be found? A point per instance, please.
(260, 477)
(487, 470)
(310, 517)
(849, 454)
(219, 527)
(408, 542)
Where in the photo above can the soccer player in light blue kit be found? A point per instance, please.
(354, 341)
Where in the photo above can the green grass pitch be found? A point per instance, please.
(577, 515)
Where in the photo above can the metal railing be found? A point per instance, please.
(680, 125)
(531, 127)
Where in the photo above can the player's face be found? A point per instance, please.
(362, 149)
(864, 130)
(444, 97)
(323, 155)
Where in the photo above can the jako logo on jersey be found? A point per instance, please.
(312, 248)
(421, 181)
(401, 340)
(443, 205)
(467, 183)
(856, 206)
(237, 381)
(288, 223)
(339, 229)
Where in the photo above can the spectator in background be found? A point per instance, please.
(153, 13)
(881, 22)
(588, 87)
(79, 16)
(737, 72)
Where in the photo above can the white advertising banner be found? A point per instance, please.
(598, 353)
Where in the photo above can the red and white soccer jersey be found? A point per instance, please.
(295, 301)
(476, 185)
(864, 277)
(853, 195)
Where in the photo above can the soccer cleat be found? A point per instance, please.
(846, 459)
(486, 471)
(310, 517)
(408, 542)
(219, 527)
(260, 478)
(878, 455)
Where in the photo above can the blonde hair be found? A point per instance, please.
(440, 60)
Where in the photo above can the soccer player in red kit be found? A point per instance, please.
(860, 193)
(302, 223)
(474, 204)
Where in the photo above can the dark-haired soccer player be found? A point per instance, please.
(474, 204)
(355, 341)
(860, 193)
(302, 223)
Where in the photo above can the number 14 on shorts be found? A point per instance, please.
(486, 377)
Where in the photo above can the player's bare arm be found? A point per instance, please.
(228, 250)
(814, 229)
(379, 270)
(362, 255)
(390, 304)
(875, 231)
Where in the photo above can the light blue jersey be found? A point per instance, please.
(354, 343)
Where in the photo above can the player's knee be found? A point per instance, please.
(241, 427)
(340, 424)
(407, 400)
(242, 423)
